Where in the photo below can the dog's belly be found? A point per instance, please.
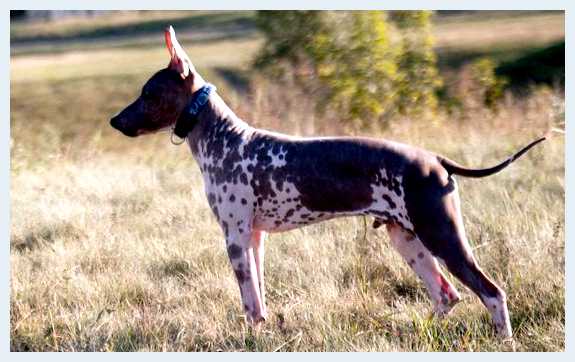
(288, 210)
(276, 219)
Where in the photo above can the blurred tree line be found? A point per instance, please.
(363, 66)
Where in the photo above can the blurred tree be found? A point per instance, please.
(355, 65)
(290, 35)
(489, 85)
(418, 79)
(358, 65)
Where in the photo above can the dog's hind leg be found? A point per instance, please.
(440, 228)
(441, 291)
(461, 263)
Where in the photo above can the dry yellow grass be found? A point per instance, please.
(113, 246)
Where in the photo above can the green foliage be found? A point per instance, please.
(290, 35)
(418, 78)
(489, 85)
(358, 65)
(356, 68)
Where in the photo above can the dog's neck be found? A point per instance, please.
(197, 82)
(216, 122)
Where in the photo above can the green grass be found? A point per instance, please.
(114, 248)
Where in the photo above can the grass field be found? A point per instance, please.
(114, 248)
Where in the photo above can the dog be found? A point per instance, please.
(257, 182)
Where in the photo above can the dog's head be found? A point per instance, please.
(164, 95)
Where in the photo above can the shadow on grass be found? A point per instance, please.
(237, 79)
(541, 66)
(45, 235)
(520, 66)
(173, 268)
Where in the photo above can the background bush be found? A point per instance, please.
(360, 65)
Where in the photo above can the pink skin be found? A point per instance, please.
(258, 238)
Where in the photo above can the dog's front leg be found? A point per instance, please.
(241, 253)
(258, 238)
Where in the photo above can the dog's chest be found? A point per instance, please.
(248, 192)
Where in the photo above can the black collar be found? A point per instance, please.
(188, 117)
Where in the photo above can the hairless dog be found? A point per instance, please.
(257, 181)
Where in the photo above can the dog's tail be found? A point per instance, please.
(453, 168)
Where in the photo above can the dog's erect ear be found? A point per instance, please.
(179, 59)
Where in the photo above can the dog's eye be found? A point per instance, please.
(146, 94)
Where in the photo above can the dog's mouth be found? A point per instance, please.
(130, 132)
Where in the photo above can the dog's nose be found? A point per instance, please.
(115, 122)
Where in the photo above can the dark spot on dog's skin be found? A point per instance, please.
(389, 201)
(211, 198)
(289, 213)
(383, 216)
(225, 227)
(241, 231)
(244, 178)
(411, 262)
(215, 211)
(246, 308)
(241, 276)
(232, 198)
(219, 199)
(234, 251)
(420, 255)
(376, 223)
(231, 215)
(225, 188)
(244, 201)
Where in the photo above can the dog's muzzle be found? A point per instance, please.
(117, 123)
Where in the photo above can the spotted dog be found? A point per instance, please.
(258, 181)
